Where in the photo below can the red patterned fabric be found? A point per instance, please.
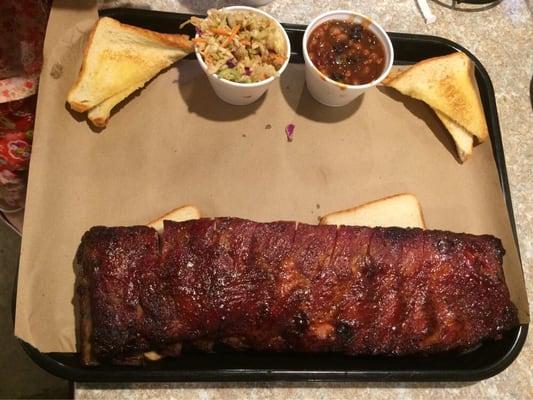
(22, 29)
(16, 132)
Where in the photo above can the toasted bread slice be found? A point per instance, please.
(401, 210)
(120, 56)
(464, 141)
(100, 114)
(184, 213)
(447, 84)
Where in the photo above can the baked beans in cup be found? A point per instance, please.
(345, 54)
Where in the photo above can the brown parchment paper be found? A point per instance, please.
(175, 143)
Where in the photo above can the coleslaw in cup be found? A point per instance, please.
(242, 50)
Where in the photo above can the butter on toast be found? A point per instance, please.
(119, 57)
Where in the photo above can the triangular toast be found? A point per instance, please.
(446, 84)
(118, 57)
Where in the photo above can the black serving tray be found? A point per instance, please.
(486, 360)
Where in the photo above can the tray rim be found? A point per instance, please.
(52, 363)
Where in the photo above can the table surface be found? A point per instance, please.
(501, 37)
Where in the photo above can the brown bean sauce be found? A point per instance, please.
(346, 52)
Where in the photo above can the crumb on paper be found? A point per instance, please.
(289, 131)
(268, 126)
(317, 206)
(243, 135)
(56, 71)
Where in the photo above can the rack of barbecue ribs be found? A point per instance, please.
(286, 286)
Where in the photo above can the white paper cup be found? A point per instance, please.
(326, 90)
(244, 93)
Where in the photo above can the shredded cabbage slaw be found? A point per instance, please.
(240, 46)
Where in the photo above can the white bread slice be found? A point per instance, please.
(464, 141)
(100, 114)
(446, 84)
(402, 210)
(184, 213)
(120, 56)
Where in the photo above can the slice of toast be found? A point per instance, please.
(184, 213)
(100, 114)
(464, 141)
(401, 210)
(119, 56)
(445, 83)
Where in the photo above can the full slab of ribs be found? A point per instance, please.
(284, 286)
